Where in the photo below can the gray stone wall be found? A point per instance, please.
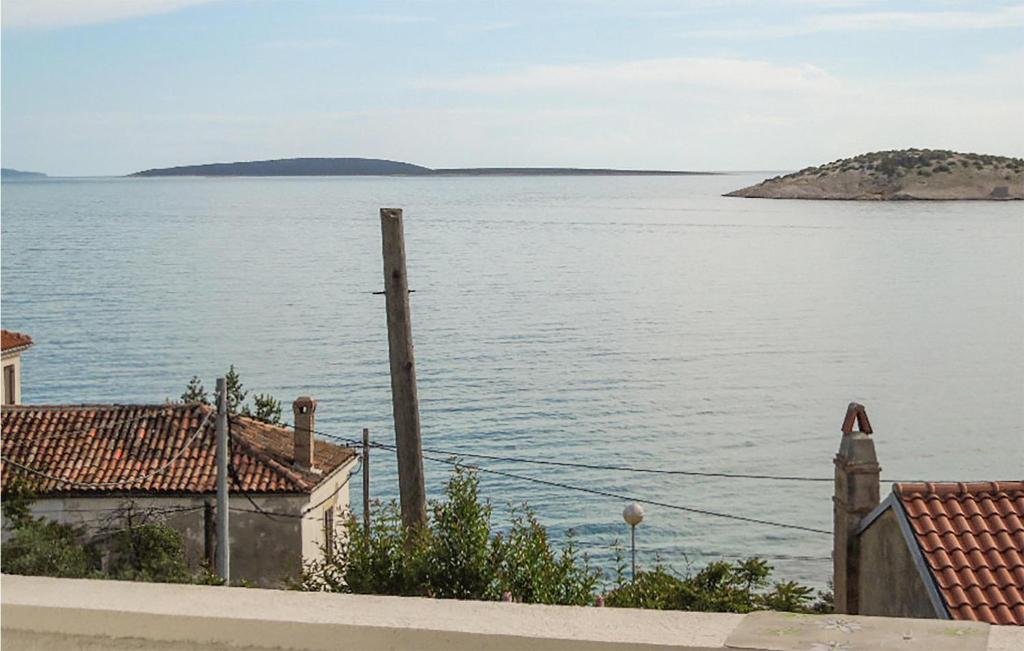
(889, 583)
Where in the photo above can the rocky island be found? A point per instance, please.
(8, 173)
(381, 167)
(900, 174)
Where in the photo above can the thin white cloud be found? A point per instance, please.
(665, 73)
(997, 18)
(43, 14)
(484, 28)
(390, 19)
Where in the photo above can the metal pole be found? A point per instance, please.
(223, 543)
(209, 536)
(366, 480)
(632, 535)
(404, 401)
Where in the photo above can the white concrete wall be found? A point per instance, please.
(44, 614)
(9, 360)
(332, 495)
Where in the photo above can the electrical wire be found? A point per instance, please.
(593, 491)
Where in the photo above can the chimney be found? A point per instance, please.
(305, 424)
(856, 495)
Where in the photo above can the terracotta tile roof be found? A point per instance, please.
(109, 445)
(9, 340)
(972, 538)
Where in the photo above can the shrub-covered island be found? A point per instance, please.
(901, 174)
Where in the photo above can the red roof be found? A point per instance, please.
(972, 538)
(9, 340)
(149, 448)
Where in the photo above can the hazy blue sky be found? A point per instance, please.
(112, 86)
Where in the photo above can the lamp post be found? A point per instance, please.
(633, 514)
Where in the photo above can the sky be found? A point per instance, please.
(101, 87)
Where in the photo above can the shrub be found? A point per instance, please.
(457, 555)
(134, 551)
(148, 552)
(44, 548)
(722, 586)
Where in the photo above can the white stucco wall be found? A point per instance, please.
(331, 495)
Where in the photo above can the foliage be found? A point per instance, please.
(195, 392)
(268, 409)
(457, 555)
(128, 548)
(41, 547)
(236, 395)
(530, 569)
(265, 407)
(721, 586)
(148, 552)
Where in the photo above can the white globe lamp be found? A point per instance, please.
(633, 514)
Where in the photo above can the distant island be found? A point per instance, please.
(900, 174)
(8, 173)
(378, 167)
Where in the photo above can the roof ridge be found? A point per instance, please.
(957, 488)
(69, 406)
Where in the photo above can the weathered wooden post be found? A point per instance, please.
(404, 401)
(366, 480)
(856, 494)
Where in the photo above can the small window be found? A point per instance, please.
(9, 384)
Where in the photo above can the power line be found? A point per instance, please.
(657, 471)
(619, 468)
(594, 491)
(607, 467)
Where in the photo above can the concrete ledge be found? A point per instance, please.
(43, 613)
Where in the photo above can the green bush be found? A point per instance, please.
(43, 548)
(146, 551)
(457, 555)
(740, 587)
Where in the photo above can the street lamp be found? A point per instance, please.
(633, 514)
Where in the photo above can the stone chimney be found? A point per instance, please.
(305, 424)
(856, 495)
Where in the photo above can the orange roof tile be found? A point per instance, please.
(149, 448)
(9, 340)
(972, 538)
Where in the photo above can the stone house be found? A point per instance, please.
(94, 465)
(12, 345)
(929, 550)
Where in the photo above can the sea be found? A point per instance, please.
(617, 323)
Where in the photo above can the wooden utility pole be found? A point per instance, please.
(223, 546)
(405, 403)
(366, 480)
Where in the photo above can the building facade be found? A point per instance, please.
(93, 466)
(946, 550)
(12, 345)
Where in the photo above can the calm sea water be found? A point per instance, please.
(639, 321)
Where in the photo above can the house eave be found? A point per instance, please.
(17, 350)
